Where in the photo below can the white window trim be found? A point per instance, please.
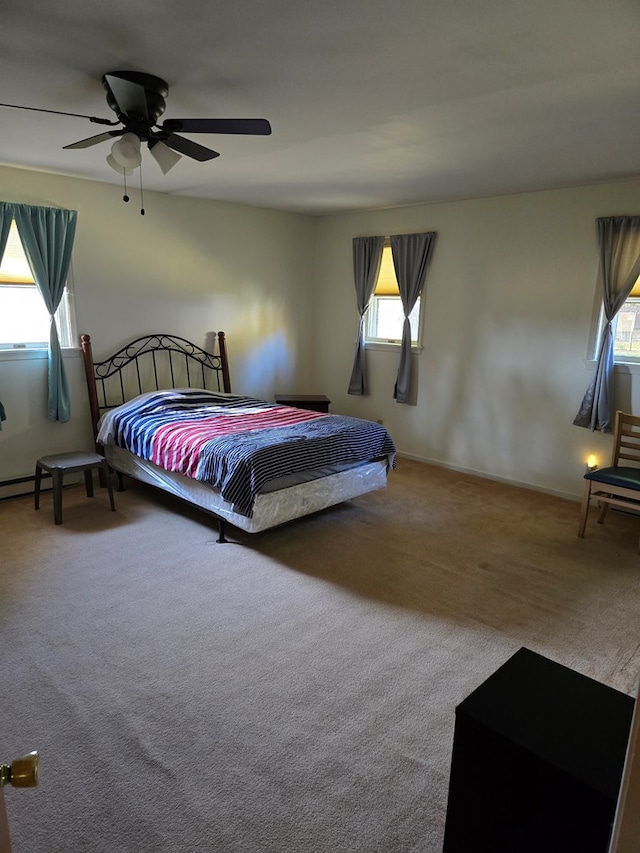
(620, 367)
(393, 345)
(67, 306)
(378, 343)
(628, 360)
(35, 354)
(629, 364)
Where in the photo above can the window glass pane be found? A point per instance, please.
(23, 316)
(385, 315)
(627, 330)
(387, 318)
(24, 319)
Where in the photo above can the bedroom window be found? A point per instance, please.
(626, 327)
(24, 320)
(385, 315)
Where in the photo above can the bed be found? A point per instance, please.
(163, 412)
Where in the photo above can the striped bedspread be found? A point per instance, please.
(238, 444)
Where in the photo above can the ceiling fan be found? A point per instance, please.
(138, 100)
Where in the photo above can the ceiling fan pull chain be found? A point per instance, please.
(125, 197)
(141, 194)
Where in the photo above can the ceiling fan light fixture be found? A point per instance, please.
(138, 100)
(121, 170)
(126, 151)
(164, 156)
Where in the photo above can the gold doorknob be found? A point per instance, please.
(22, 772)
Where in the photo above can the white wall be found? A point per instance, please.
(189, 267)
(509, 305)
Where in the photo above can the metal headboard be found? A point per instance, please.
(151, 363)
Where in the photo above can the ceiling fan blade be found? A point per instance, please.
(60, 113)
(94, 140)
(252, 126)
(130, 97)
(189, 148)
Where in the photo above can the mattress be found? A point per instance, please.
(237, 444)
(280, 501)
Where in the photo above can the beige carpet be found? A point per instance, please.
(291, 691)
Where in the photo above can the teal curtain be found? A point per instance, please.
(6, 216)
(47, 235)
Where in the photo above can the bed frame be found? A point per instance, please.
(149, 364)
(163, 361)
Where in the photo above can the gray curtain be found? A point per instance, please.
(6, 217)
(367, 257)
(411, 253)
(619, 248)
(47, 235)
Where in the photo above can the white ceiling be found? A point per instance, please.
(372, 104)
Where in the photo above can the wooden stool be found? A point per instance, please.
(71, 463)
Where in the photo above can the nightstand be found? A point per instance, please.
(314, 402)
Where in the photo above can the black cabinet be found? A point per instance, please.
(538, 755)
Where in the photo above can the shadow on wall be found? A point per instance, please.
(513, 399)
(414, 382)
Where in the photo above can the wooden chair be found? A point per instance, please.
(619, 484)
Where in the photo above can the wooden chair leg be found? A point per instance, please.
(584, 509)
(604, 507)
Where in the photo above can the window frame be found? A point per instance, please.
(634, 297)
(371, 341)
(598, 323)
(65, 314)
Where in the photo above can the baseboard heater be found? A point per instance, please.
(21, 487)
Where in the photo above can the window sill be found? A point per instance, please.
(35, 354)
(629, 367)
(380, 347)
